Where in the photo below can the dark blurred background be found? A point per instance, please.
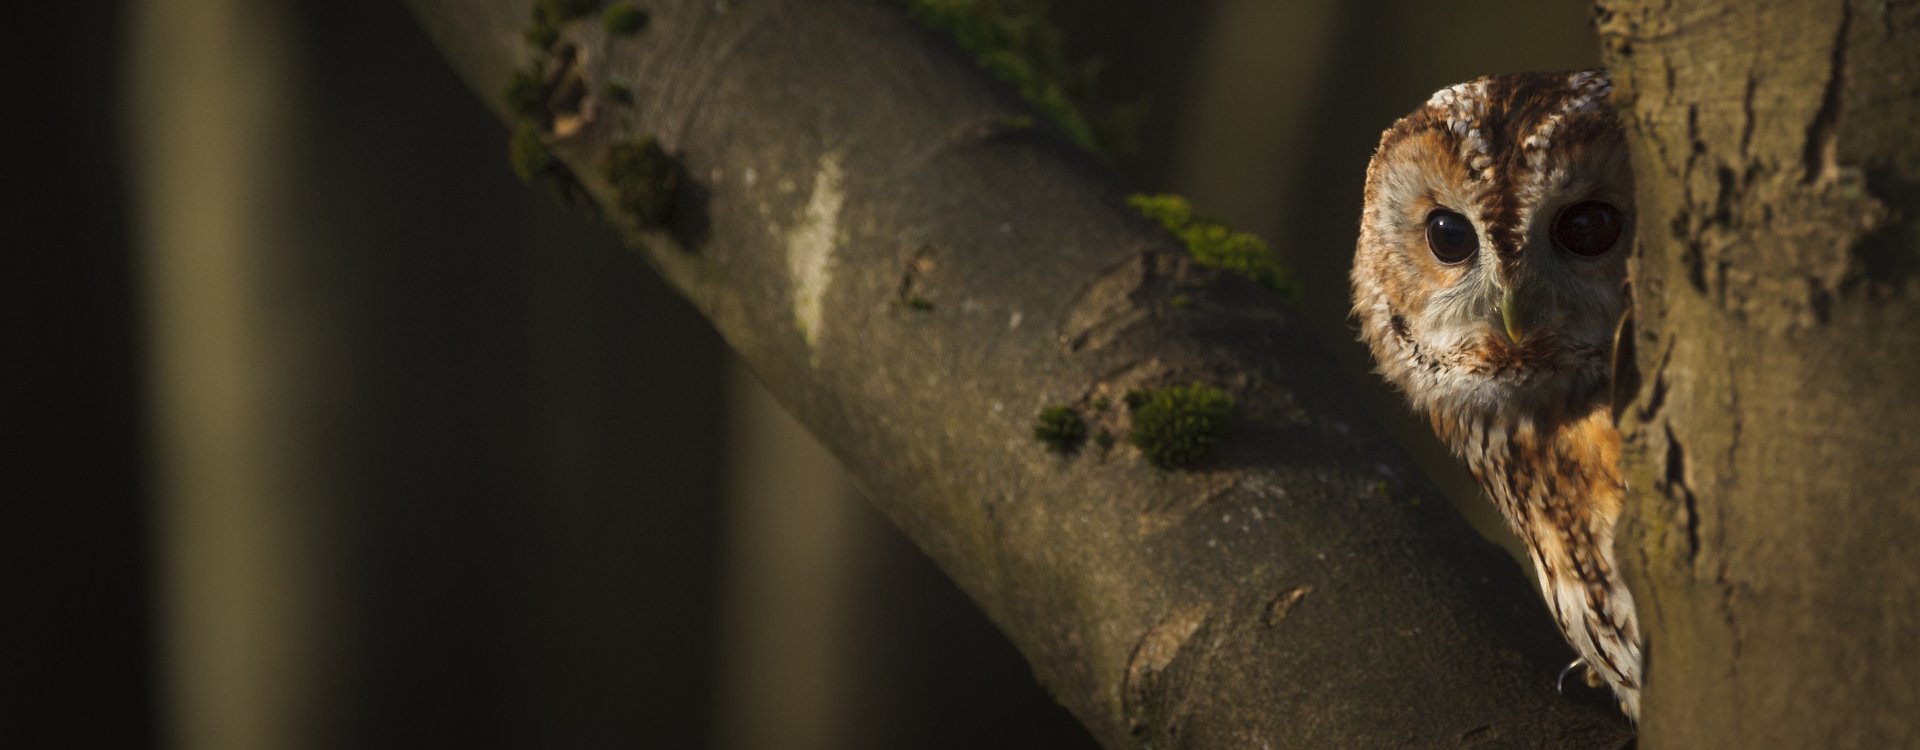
(328, 433)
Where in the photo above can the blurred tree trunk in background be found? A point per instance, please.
(245, 390)
(442, 465)
(1773, 444)
(418, 486)
(795, 550)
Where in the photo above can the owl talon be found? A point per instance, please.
(1560, 685)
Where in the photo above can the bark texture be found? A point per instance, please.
(1773, 443)
(915, 275)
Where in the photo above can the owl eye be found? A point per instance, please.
(1450, 236)
(1587, 228)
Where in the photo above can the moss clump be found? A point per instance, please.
(547, 17)
(532, 162)
(1013, 41)
(1060, 428)
(646, 178)
(623, 18)
(919, 304)
(1215, 244)
(542, 34)
(527, 92)
(1103, 439)
(528, 153)
(1178, 425)
(617, 93)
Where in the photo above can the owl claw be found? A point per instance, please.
(1560, 685)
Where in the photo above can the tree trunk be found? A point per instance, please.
(1770, 543)
(915, 276)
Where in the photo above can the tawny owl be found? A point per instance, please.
(1489, 280)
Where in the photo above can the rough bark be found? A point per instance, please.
(915, 276)
(1770, 541)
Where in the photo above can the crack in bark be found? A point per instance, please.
(1727, 486)
(912, 293)
(1821, 158)
(1686, 226)
(1282, 605)
(1729, 595)
(1733, 430)
(1147, 690)
(1746, 111)
(1175, 507)
(1657, 392)
(1675, 481)
(1109, 303)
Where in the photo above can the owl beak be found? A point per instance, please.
(1511, 316)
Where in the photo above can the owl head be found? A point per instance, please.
(1490, 271)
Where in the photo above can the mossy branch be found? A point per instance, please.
(828, 163)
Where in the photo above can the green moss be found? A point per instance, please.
(542, 34)
(1102, 404)
(1178, 425)
(617, 93)
(1170, 211)
(920, 304)
(528, 153)
(1103, 439)
(1215, 244)
(532, 162)
(1060, 428)
(527, 92)
(1013, 41)
(623, 18)
(646, 178)
(556, 11)
(1182, 301)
